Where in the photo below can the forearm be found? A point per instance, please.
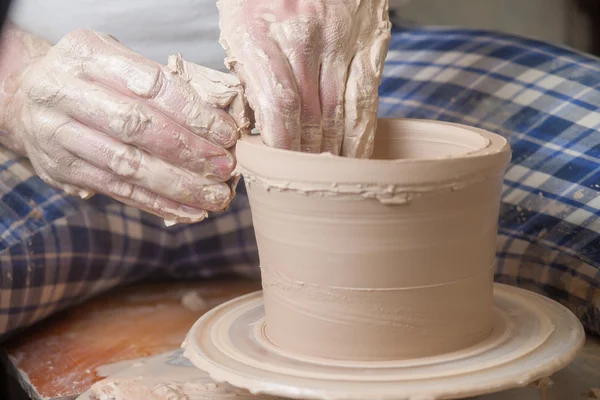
(18, 50)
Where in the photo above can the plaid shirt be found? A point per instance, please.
(56, 250)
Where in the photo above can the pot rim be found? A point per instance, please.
(259, 160)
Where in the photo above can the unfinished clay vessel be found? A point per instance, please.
(380, 259)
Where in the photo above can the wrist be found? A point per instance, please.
(10, 134)
(18, 50)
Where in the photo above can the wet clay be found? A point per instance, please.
(167, 376)
(378, 259)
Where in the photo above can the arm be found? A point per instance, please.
(18, 50)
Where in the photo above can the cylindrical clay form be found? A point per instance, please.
(380, 259)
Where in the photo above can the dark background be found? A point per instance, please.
(591, 8)
(3, 10)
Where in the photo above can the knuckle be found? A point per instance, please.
(121, 189)
(66, 167)
(333, 111)
(132, 122)
(333, 129)
(68, 163)
(47, 130)
(182, 186)
(150, 82)
(79, 43)
(43, 86)
(155, 202)
(81, 34)
(196, 116)
(126, 162)
(177, 146)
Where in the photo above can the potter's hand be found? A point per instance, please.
(98, 117)
(311, 69)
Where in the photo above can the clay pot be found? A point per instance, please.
(380, 259)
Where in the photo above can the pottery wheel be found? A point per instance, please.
(532, 338)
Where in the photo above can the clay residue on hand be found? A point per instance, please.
(311, 72)
(215, 88)
(98, 117)
(18, 51)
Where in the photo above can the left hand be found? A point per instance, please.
(311, 69)
(93, 116)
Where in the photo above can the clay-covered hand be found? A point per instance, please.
(311, 69)
(98, 117)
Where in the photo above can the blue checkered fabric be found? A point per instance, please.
(57, 250)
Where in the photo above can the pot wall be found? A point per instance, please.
(392, 266)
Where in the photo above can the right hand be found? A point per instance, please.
(310, 68)
(99, 118)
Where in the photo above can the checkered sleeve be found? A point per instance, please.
(545, 100)
(56, 250)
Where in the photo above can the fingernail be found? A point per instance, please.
(215, 197)
(70, 190)
(225, 137)
(85, 195)
(170, 222)
(192, 215)
(221, 167)
(191, 211)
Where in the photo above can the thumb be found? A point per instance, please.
(272, 93)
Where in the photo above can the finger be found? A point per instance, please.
(360, 107)
(171, 216)
(272, 93)
(361, 98)
(306, 72)
(333, 84)
(89, 177)
(127, 163)
(69, 189)
(106, 61)
(299, 49)
(109, 184)
(133, 122)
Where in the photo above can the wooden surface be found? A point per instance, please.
(59, 357)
